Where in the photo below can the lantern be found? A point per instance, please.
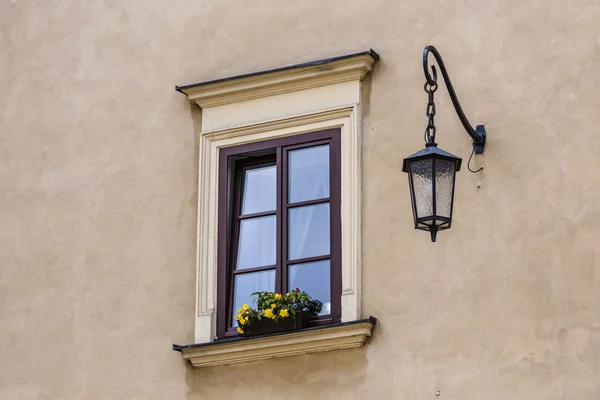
(431, 176)
(432, 171)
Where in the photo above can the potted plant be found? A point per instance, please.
(277, 312)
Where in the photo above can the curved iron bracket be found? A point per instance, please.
(478, 134)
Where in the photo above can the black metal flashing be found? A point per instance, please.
(217, 342)
(370, 52)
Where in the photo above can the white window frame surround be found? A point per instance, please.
(270, 105)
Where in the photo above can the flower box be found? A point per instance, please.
(276, 312)
(266, 325)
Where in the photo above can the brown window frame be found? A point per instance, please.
(232, 160)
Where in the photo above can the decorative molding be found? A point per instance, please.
(336, 337)
(276, 124)
(281, 80)
(345, 118)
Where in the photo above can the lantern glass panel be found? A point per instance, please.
(444, 186)
(422, 172)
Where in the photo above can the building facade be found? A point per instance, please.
(110, 233)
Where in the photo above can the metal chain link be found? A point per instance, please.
(429, 134)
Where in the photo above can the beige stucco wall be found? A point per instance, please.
(98, 182)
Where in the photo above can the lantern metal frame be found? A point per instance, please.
(433, 153)
(433, 223)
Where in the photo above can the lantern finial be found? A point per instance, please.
(433, 231)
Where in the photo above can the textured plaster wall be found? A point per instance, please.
(98, 198)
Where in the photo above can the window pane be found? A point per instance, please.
(444, 182)
(308, 231)
(259, 190)
(421, 175)
(256, 246)
(313, 278)
(246, 284)
(308, 173)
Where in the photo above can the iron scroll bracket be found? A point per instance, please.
(478, 134)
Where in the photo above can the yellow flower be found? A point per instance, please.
(240, 330)
(273, 305)
(269, 314)
(242, 321)
(237, 317)
(245, 307)
(287, 295)
(277, 296)
(240, 310)
(284, 313)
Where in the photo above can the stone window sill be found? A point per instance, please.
(237, 350)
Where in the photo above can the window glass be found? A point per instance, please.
(308, 174)
(314, 279)
(257, 242)
(423, 188)
(308, 231)
(444, 180)
(259, 190)
(248, 283)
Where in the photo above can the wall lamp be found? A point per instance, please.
(432, 171)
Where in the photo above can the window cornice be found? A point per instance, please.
(281, 80)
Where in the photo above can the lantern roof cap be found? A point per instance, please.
(431, 151)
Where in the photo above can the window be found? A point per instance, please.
(280, 226)
(252, 109)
